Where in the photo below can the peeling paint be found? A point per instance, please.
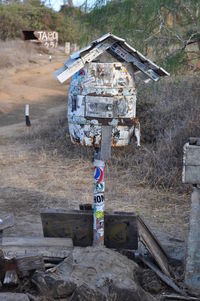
(100, 94)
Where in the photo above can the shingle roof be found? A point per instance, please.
(116, 47)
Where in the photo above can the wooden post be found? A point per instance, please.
(27, 118)
(98, 207)
(192, 272)
(101, 156)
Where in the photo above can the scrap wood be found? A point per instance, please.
(13, 297)
(153, 246)
(7, 265)
(7, 222)
(27, 264)
(11, 278)
(48, 247)
(53, 260)
(178, 297)
(167, 280)
(32, 298)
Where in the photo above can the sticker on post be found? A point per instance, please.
(99, 187)
(99, 199)
(98, 174)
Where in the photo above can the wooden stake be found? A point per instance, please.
(27, 118)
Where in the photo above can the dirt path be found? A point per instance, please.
(39, 168)
(34, 85)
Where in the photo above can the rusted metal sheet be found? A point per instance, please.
(97, 106)
(120, 227)
(117, 47)
(130, 58)
(76, 65)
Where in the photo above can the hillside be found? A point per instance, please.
(165, 30)
(16, 17)
(168, 31)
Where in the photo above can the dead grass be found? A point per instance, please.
(14, 53)
(44, 169)
(169, 113)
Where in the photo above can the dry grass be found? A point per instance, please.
(44, 169)
(14, 53)
(64, 171)
(169, 113)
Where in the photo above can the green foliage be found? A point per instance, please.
(176, 62)
(160, 29)
(31, 15)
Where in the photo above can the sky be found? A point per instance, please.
(57, 3)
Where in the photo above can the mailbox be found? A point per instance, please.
(104, 93)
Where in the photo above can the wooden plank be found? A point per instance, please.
(33, 298)
(66, 74)
(13, 297)
(192, 155)
(125, 55)
(97, 50)
(192, 262)
(162, 276)
(7, 222)
(28, 264)
(11, 278)
(153, 246)
(38, 242)
(106, 135)
(174, 297)
(191, 174)
(79, 63)
(120, 228)
(45, 246)
(191, 162)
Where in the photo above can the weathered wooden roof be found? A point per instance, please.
(119, 49)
